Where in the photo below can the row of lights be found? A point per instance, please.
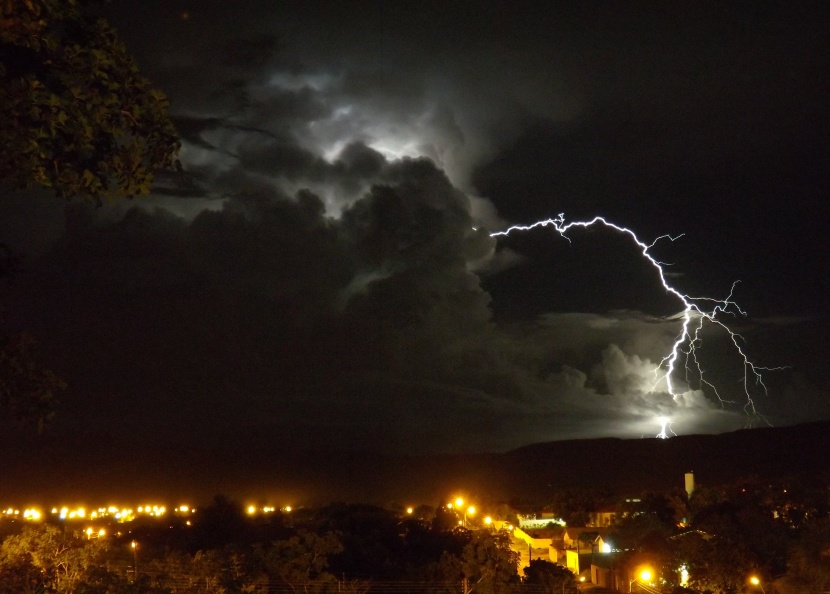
(32, 515)
(458, 505)
(81, 513)
(470, 510)
(120, 514)
(253, 510)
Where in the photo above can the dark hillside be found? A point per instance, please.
(635, 465)
(108, 467)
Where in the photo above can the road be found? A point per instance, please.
(520, 547)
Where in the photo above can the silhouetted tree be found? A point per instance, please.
(809, 560)
(75, 115)
(220, 523)
(27, 390)
(545, 577)
(300, 564)
(487, 564)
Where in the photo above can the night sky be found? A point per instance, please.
(322, 274)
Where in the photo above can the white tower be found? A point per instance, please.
(690, 483)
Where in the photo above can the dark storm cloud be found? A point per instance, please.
(371, 327)
(333, 76)
(323, 270)
(256, 313)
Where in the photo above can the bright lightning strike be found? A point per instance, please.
(696, 312)
(665, 425)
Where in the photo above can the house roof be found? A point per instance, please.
(705, 535)
(544, 533)
(574, 533)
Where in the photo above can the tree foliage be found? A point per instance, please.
(51, 559)
(27, 390)
(549, 578)
(809, 560)
(487, 564)
(300, 563)
(75, 117)
(75, 114)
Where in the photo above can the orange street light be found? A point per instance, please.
(644, 576)
(134, 546)
(471, 511)
(756, 582)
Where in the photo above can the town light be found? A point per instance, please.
(755, 581)
(134, 545)
(684, 576)
(644, 576)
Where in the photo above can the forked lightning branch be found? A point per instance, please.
(697, 311)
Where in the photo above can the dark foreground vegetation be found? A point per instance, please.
(777, 532)
(339, 548)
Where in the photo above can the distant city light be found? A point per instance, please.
(108, 514)
(33, 515)
(90, 532)
(124, 514)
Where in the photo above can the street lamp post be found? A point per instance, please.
(470, 510)
(757, 582)
(134, 546)
(458, 505)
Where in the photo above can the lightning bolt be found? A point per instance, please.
(696, 312)
(665, 424)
